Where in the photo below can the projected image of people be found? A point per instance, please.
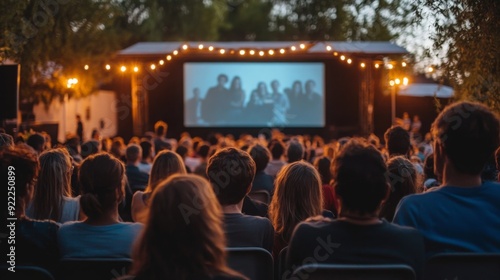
(253, 94)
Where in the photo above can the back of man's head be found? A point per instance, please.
(277, 149)
(294, 152)
(37, 142)
(133, 153)
(161, 128)
(231, 172)
(468, 134)
(397, 141)
(146, 147)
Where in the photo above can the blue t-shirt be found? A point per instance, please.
(455, 219)
(80, 240)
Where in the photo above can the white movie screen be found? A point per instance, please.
(254, 94)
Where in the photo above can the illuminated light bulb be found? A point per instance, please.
(405, 81)
(271, 52)
(430, 69)
(282, 51)
(252, 52)
(153, 67)
(211, 48)
(403, 64)
(123, 68)
(108, 66)
(175, 52)
(231, 52)
(136, 69)
(349, 61)
(184, 47)
(335, 53)
(261, 53)
(342, 57)
(86, 67)
(397, 81)
(293, 48)
(391, 82)
(162, 62)
(302, 46)
(200, 46)
(242, 52)
(377, 66)
(390, 66)
(169, 57)
(222, 51)
(328, 48)
(363, 65)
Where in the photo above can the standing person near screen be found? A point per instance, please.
(311, 102)
(193, 108)
(79, 127)
(280, 104)
(236, 100)
(294, 95)
(216, 102)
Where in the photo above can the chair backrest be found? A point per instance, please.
(463, 266)
(255, 263)
(280, 263)
(354, 271)
(94, 269)
(26, 272)
(262, 196)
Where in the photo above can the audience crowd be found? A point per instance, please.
(174, 205)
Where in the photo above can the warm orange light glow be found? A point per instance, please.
(282, 51)
(405, 81)
(302, 46)
(108, 66)
(377, 65)
(293, 48)
(349, 61)
(335, 53)
(390, 66)
(261, 53)
(175, 52)
(342, 57)
(242, 52)
(86, 67)
(403, 64)
(222, 51)
(252, 52)
(162, 62)
(430, 69)
(200, 46)
(271, 52)
(391, 83)
(184, 47)
(153, 67)
(210, 48)
(397, 81)
(328, 48)
(123, 68)
(363, 65)
(71, 82)
(169, 57)
(136, 69)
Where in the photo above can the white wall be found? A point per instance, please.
(101, 105)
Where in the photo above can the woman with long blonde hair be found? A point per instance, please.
(52, 199)
(184, 234)
(165, 164)
(297, 196)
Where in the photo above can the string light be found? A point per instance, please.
(210, 48)
(108, 66)
(222, 51)
(342, 57)
(261, 53)
(391, 83)
(335, 53)
(242, 52)
(282, 51)
(162, 62)
(430, 69)
(363, 65)
(390, 66)
(403, 64)
(349, 61)
(200, 46)
(184, 47)
(136, 69)
(169, 57)
(123, 68)
(86, 67)
(252, 52)
(153, 67)
(302, 46)
(175, 52)
(397, 81)
(293, 48)
(376, 65)
(405, 81)
(271, 52)
(328, 48)
(231, 52)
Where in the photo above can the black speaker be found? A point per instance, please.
(9, 91)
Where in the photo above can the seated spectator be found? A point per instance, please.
(37, 142)
(322, 164)
(101, 234)
(397, 141)
(90, 147)
(137, 179)
(231, 188)
(36, 241)
(294, 152)
(73, 147)
(183, 151)
(166, 164)
(403, 180)
(147, 157)
(178, 243)
(6, 140)
(203, 152)
(52, 199)
(161, 142)
(276, 163)
(462, 214)
(358, 236)
(298, 197)
(118, 148)
(262, 181)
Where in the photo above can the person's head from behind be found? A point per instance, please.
(294, 151)
(23, 165)
(236, 83)
(231, 172)
(322, 164)
(182, 151)
(277, 149)
(147, 150)
(54, 183)
(161, 128)
(37, 142)
(184, 235)
(6, 140)
(203, 151)
(101, 178)
(360, 182)
(297, 196)
(402, 177)
(222, 80)
(165, 164)
(260, 155)
(466, 135)
(275, 85)
(89, 148)
(397, 141)
(133, 154)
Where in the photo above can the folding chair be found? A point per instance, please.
(255, 263)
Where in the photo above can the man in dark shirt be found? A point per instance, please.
(138, 180)
(231, 172)
(262, 181)
(358, 236)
